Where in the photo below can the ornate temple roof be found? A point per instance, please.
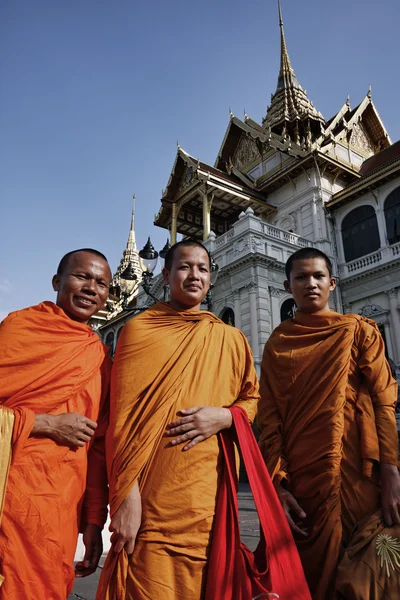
(290, 109)
(230, 192)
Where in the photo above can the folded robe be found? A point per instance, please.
(326, 418)
(168, 360)
(49, 364)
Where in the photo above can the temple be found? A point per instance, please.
(292, 180)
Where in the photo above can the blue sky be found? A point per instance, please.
(96, 93)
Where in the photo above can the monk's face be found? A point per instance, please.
(188, 278)
(82, 289)
(310, 284)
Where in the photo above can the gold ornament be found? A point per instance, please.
(388, 548)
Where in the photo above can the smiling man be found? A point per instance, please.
(327, 425)
(54, 379)
(176, 370)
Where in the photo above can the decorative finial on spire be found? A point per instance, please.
(133, 215)
(348, 100)
(369, 91)
(177, 145)
(231, 113)
(287, 76)
(245, 114)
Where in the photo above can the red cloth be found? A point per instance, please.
(235, 573)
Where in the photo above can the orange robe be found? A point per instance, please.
(326, 419)
(49, 364)
(168, 360)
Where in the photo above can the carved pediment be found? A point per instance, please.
(359, 139)
(246, 154)
(189, 177)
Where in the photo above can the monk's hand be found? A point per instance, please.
(198, 424)
(67, 429)
(292, 510)
(390, 480)
(125, 522)
(94, 549)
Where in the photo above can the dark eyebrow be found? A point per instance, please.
(191, 262)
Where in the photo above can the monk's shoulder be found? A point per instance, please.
(366, 331)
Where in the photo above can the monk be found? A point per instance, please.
(54, 378)
(177, 369)
(327, 424)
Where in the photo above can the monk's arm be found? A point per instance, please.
(382, 389)
(68, 429)
(269, 424)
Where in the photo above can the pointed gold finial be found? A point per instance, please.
(369, 91)
(231, 113)
(287, 75)
(348, 100)
(177, 145)
(245, 114)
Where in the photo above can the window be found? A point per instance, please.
(360, 233)
(288, 309)
(110, 341)
(228, 317)
(392, 216)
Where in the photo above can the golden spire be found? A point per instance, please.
(287, 75)
(290, 109)
(130, 254)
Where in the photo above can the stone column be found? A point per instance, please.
(206, 216)
(388, 339)
(380, 217)
(299, 224)
(238, 317)
(174, 223)
(275, 309)
(314, 210)
(395, 323)
(253, 318)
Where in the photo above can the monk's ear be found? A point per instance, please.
(286, 285)
(333, 284)
(56, 282)
(165, 275)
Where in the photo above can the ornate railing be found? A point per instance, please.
(364, 261)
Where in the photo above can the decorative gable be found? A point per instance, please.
(246, 154)
(360, 140)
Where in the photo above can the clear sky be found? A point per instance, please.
(95, 94)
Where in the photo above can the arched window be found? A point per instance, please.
(288, 309)
(360, 233)
(110, 341)
(228, 317)
(392, 216)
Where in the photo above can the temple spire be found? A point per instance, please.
(130, 254)
(287, 75)
(291, 114)
(131, 238)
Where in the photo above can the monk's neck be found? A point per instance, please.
(179, 306)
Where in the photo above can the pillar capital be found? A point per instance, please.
(392, 293)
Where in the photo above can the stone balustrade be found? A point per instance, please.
(369, 261)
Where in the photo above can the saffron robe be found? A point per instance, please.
(326, 419)
(168, 360)
(49, 364)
